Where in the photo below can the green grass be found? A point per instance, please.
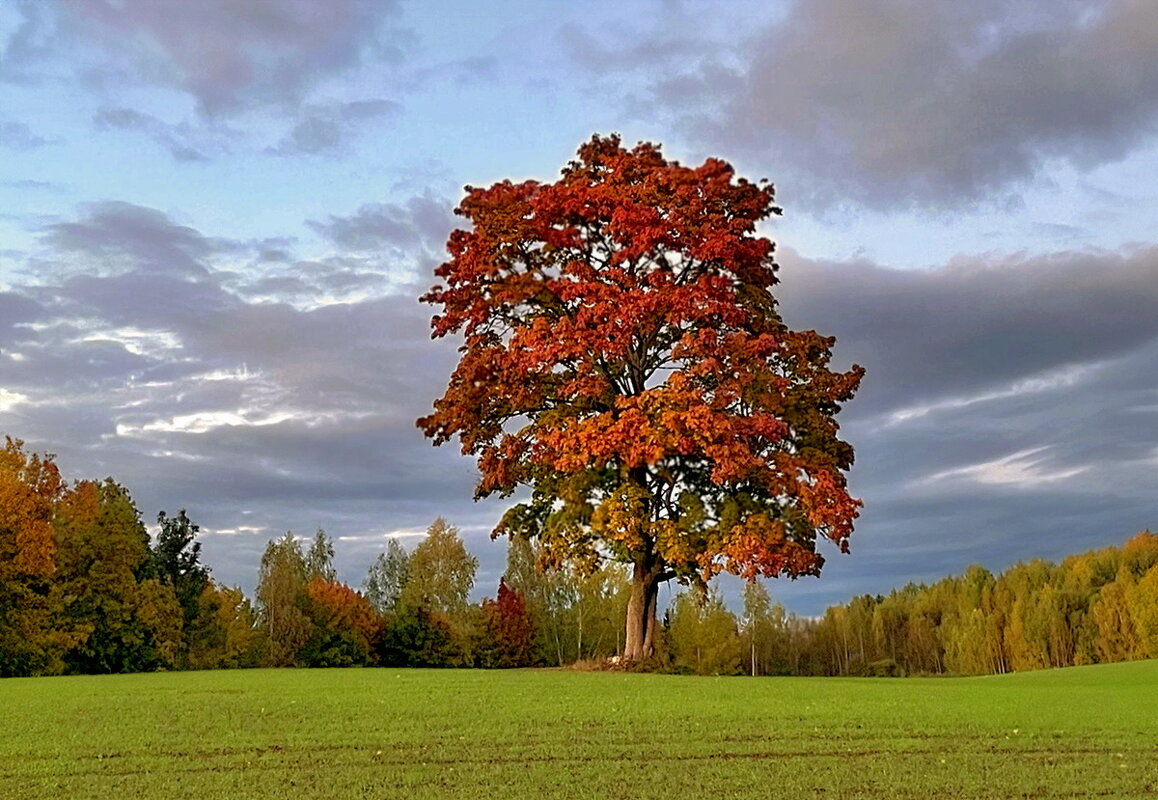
(380, 733)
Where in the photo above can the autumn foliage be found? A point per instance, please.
(1098, 607)
(29, 488)
(623, 357)
(107, 597)
(510, 629)
(344, 612)
(29, 485)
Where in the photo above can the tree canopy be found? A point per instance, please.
(624, 358)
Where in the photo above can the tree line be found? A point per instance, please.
(85, 589)
(1097, 607)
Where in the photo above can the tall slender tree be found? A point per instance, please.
(320, 558)
(547, 599)
(282, 601)
(387, 575)
(441, 572)
(760, 626)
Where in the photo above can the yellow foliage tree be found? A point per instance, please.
(29, 486)
(1143, 602)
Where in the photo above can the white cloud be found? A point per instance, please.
(1023, 469)
(139, 342)
(235, 531)
(205, 421)
(1063, 378)
(10, 399)
(382, 537)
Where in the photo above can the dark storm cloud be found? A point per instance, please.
(919, 101)
(77, 366)
(234, 54)
(898, 543)
(315, 428)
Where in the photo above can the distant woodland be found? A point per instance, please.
(84, 588)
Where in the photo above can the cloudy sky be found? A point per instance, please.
(215, 218)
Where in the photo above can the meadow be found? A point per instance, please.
(382, 733)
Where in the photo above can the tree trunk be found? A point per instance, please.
(641, 617)
(579, 641)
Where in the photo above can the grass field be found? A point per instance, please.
(379, 733)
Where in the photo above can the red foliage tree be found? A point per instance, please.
(510, 628)
(624, 358)
(339, 609)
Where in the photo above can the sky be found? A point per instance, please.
(216, 219)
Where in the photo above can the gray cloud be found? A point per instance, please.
(234, 54)
(30, 42)
(381, 247)
(1008, 411)
(330, 128)
(118, 236)
(975, 325)
(423, 222)
(183, 141)
(18, 136)
(253, 413)
(891, 103)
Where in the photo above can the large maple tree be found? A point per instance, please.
(623, 358)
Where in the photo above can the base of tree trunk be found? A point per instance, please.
(639, 644)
